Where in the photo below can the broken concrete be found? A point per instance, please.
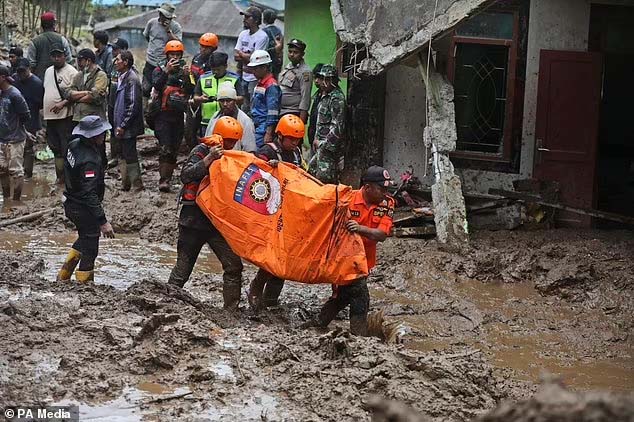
(392, 30)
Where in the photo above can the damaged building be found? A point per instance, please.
(540, 90)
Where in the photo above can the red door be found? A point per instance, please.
(567, 123)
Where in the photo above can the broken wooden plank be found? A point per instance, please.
(584, 211)
(26, 218)
(414, 231)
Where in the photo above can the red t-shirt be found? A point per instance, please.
(374, 217)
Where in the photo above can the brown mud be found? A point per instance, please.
(479, 327)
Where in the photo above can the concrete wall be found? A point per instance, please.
(404, 121)
(553, 25)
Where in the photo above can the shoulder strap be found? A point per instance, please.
(276, 150)
(57, 83)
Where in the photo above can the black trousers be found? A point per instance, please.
(355, 294)
(57, 134)
(169, 132)
(89, 231)
(190, 242)
(146, 84)
(128, 150)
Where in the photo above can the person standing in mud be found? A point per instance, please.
(84, 169)
(265, 288)
(194, 228)
(371, 213)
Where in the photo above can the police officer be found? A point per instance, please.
(206, 90)
(328, 146)
(296, 82)
(265, 288)
(265, 106)
(84, 177)
(194, 228)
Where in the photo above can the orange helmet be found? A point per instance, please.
(211, 141)
(290, 125)
(208, 40)
(228, 128)
(174, 46)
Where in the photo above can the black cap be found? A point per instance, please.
(378, 175)
(22, 64)
(15, 50)
(253, 12)
(297, 44)
(87, 53)
(121, 44)
(217, 58)
(5, 71)
(56, 48)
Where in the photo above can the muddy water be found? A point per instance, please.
(515, 326)
(40, 185)
(121, 262)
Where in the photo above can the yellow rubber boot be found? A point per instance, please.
(85, 276)
(69, 265)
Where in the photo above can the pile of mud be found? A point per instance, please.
(89, 343)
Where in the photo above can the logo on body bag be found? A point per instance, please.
(258, 190)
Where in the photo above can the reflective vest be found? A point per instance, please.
(209, 85)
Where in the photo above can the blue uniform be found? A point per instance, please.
(265, 107)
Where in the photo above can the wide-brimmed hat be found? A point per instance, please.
(91, 126)
(167, 10)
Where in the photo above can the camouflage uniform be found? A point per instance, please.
(324, 165)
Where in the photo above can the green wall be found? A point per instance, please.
(311, 22)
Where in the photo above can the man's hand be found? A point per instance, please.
(57, 107)
(273, 163)
(315, 145)
(353, 226)
(172, 66)
(186, 69)
(279, 44)
(107, 231)
(118, 132)
(215, 152)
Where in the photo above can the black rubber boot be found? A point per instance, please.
(125, 177)
(134, 175)
(6, 186)
(18, 182)
(272, 291)
(231, 295)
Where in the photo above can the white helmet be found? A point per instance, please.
(259, 57)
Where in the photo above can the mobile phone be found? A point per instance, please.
(181, 62)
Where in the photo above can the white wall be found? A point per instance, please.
(404, 121)
(553, 25)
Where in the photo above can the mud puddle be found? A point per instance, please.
(121, 262)
(516, 327)
(41, 185)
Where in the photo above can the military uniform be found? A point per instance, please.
(324, 164)
(195, 229)
(296, 82)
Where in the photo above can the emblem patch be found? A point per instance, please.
(258, 190)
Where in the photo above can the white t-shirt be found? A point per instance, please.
(51, 93)
(247, 142)
(248, 43)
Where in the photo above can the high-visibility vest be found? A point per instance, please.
(209, 85)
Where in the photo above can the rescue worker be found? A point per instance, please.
(115, 147)
(371, 211)
(265, 107)
(173, 86)
(227, 99)
(84, 177)
(328, 146)
(265, 288)
(206, 91)
(194, 228)
(200, 65)
(296, 81)
(128, 120)
(39, 51)
(32, 90)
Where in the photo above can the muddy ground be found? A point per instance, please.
(478, 328)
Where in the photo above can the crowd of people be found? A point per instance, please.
(263, 108)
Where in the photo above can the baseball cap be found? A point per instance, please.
(218, 58)
(86, 53)
(22, 64)
(5, 71)
(121, 44)
(56, 48)
(47, 17)
(297, 44)
(253, 12)
(377, 175)
(226, 91)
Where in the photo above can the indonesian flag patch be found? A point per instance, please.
(89, 173)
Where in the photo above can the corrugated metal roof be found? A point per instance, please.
(196, 17)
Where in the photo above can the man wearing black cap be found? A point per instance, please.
(32, 90)
(115, 146)
(84, 177)
(249, 40)
(206, 90)
(57, 111)
(371, 211)
(296, 82)
(14, 114)
(88, 90)
(15, 53)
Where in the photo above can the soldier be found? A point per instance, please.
(328, 145)
(296, 82)
(194, 228)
